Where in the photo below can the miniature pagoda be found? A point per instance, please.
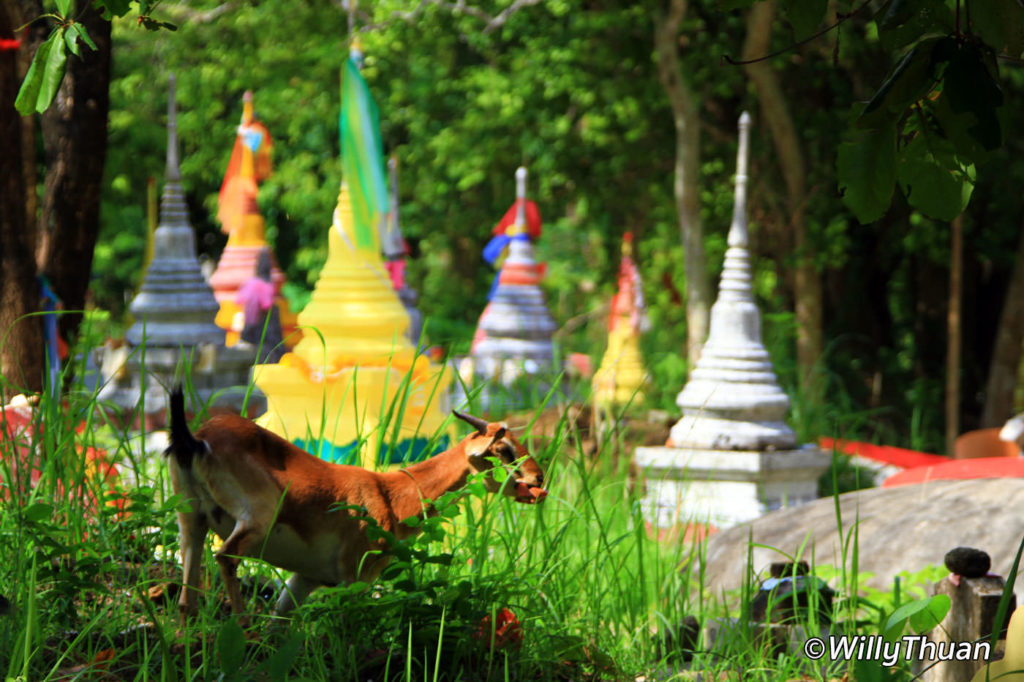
(354, 390)
(515, 330)
(240, 218)
(620, 378)
(174, 314)
(731, 456)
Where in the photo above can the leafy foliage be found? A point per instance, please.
(46, 71)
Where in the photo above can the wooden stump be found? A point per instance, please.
(971, 618)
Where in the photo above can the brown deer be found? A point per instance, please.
(270, 500)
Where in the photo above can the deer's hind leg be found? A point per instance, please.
(229, 556)
(295, 590)
(192, 529)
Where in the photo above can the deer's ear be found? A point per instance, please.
(478, 446)
(499, 434)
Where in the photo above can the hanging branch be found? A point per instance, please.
(840, 20)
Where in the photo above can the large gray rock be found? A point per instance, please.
(898, 529)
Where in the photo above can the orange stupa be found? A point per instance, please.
(240, 218)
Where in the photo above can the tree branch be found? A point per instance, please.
(841, 18)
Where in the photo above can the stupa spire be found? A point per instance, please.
(175, 305)
(521, 173)
(733, 400)
(173, 166)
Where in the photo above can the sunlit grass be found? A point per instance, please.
(92, 574)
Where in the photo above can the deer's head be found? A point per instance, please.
(494, 445)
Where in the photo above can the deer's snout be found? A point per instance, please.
(529, 495)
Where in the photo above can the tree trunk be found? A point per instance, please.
(75, 139)
(776, 114)
(21, 338)
(1006, 354)
(687, 167)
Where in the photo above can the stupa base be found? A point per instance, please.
(218, 376)
(726, 488)
(359, 453)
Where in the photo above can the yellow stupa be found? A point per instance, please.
(620, 378)
(355, 376)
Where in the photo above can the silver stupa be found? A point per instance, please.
(174, 330)
(731, 457)
(515, 330)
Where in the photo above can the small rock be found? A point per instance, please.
(968, 562)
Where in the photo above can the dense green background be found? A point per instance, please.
(570, 90)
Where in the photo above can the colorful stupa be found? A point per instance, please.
(620, 378)
(240, 217)
(354, 389)
(514, 334)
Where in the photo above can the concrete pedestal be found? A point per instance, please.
(725, 488)
(219, 376)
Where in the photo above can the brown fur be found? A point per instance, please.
(269, 499)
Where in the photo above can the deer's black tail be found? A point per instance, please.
(184, 446)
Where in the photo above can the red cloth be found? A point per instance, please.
(396, 270)
(533, 224)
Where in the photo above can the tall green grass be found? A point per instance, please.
(594, 593)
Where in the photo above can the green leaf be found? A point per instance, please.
(281, 662)
(43, 77)
(866, 167)
(84, 35)
(412, 521)
(64, 7)
(930, 610)
(1000, 24)
(477, 489)
(933, 179)
(904, 22)
(37, 512)
(230, 647)
(971, 88)
(925, 620)
(804, 16)
(911, 80)
(114, 8)
(151, 24)
(53, 72)
(500, 474)
(71, 40)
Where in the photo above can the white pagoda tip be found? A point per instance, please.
(173, 167)
(521, 182)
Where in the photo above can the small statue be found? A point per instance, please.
(256, 297)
